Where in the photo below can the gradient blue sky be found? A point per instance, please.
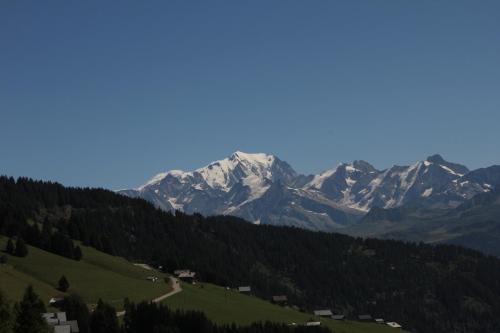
(108, 93)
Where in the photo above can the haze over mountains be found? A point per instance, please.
(263, 189)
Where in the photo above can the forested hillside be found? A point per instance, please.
(474, 224)
(428, 288)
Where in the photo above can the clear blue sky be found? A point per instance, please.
(108, 93)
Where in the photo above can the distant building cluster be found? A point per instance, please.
(362, 317)
(189, 276)
(60, 324)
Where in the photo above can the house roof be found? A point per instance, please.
(323, 313)
(339, 316)
(60, 323)
(62, 329)
(52, 321)
(313, 323)
(74, 326)
(55, 300)
(179, 271)
(61, 316)
(393, 324)
(186, 274)
(244, 288)
(54, 318)
(365, 317)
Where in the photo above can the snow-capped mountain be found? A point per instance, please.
(264, 189)
(218, 188)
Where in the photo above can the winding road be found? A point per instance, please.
(176, 288)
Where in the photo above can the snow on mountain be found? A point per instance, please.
(217, 188)
(318, 180)
(400, 185)
(265, 190)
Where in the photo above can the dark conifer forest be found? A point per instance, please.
(427, 288)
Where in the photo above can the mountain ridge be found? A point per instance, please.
(263, 189)
(473, 224)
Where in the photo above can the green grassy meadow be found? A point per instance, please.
(226, 307)
(97, 275)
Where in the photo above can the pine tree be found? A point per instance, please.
(77, 253)
(28, 314)
(63, 284)
(76, 309)
(103, 319)
(21, 249)
(46, 235)
(5, 315)
(10, 247)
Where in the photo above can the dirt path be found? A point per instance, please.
(145, 266)
(176, 288)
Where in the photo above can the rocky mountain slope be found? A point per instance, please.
(264, 189)
(475, 224)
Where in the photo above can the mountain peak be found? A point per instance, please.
(259, 158)
(363, 166)
(436, 158)
(453, 168)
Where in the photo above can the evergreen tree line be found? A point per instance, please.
(19, 249)
(52, 241)
(427, 288)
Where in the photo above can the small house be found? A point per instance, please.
(313, 323)
(281, 299)
(323, 313)
(55, 300)
(379, 320)
(74, 326)
(244, 289)
(60, 323)
(393, 324)
(62, 329)
(187, 276)
(177, 272)
(365, 317)
(338, 317)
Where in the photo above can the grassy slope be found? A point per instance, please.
(98, 275)
(230, 306)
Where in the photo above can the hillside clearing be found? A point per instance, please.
(228, 306)
(97, 275)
